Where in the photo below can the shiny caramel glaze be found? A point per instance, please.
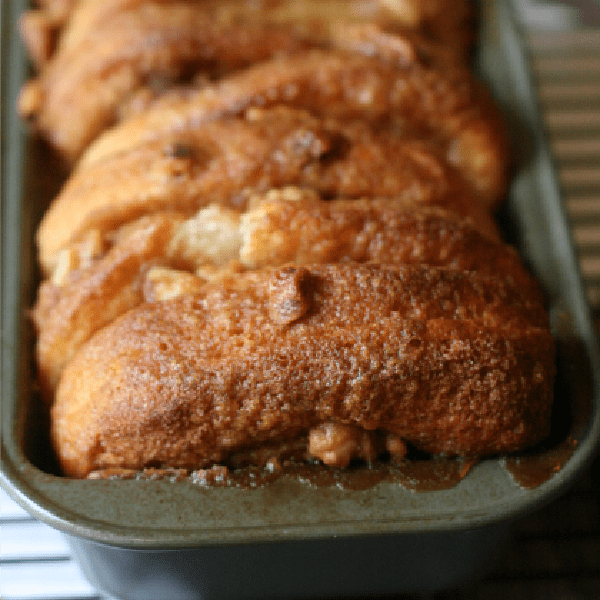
(452, 362)
(226, 161)
(443, 103)
(111, 50)
(286, 226)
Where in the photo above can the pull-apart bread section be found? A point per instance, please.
(227, 160)
(100, 278)
(57, 25)
(412, 98)
(278, 232)
(451, 362)
(112, 52)
(150, 46)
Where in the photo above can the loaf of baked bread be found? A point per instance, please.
(278, 231)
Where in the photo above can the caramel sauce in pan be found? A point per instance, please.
(531, 470)
(414, 475)
(418, 475)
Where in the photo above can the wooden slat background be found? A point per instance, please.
(567, 67)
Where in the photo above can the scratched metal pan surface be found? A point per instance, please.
(158, 539)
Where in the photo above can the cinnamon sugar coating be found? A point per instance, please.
(442, 103)
(226, 161)
(286, 226)
(451, 362)
(109, 51)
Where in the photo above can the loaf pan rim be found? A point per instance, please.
(39, 492)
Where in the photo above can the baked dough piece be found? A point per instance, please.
(226, 161)
(448, 22)
(154, 44)
(82, 299)
(111, 51)
(293, 225)
(449, 361)
(446, 104)
(286, 226)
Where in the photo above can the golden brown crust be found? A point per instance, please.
(226, 161)
(286, 226)
(67, 315)
(295, 226)
(446, 104)
(117, 46)
(452, 362)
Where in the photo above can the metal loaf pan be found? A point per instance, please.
(163, 539)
